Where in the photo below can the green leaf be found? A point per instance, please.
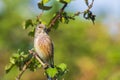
(63, 20)
(15, 55)
(64, 1)
(27, 23)
(45, 1)
(31, 33)
(8, 67)
(62, 66)
(51, 72)
(41, 6)
(12, 60)
(67, 1)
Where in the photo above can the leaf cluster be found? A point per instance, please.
(60, 16)
(58, 71)
(20, 58)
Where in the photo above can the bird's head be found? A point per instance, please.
(40, 28)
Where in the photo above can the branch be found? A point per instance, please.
(23, 69)
(38, 58)
(28, 62)
(58, 15)
(89, 7)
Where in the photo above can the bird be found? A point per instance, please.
(43, 45)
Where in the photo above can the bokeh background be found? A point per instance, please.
(92, 52)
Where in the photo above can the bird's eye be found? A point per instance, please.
(39, 27)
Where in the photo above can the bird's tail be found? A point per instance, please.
(51, 65)
(49, 78)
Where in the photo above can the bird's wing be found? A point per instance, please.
(46, 47)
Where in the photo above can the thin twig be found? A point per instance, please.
(34, 54)
(37, 57)
(58, 15)
(23, 69)
(38, 17)
(89, 7)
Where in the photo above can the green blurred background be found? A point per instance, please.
(90, 51)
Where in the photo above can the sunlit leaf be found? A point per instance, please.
(67, 1)
(63, 20)
(62, 66)
(12, 60)
(51, 72)
(8, 67)
(45, 1)
(15, 55)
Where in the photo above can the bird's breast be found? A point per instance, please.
(43, 46)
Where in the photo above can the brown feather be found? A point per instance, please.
(43, 45)
(46, 47)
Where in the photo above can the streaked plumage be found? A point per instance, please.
(43, 45)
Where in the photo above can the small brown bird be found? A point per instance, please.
(43, 45)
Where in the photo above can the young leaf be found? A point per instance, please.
(51, 72)
(8, 67)
(63, 20)
(15, 55)
(67, 1)
(41, 6)
(12, 60)
(45, 1)
(62, 66)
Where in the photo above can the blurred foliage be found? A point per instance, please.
(90, 52)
